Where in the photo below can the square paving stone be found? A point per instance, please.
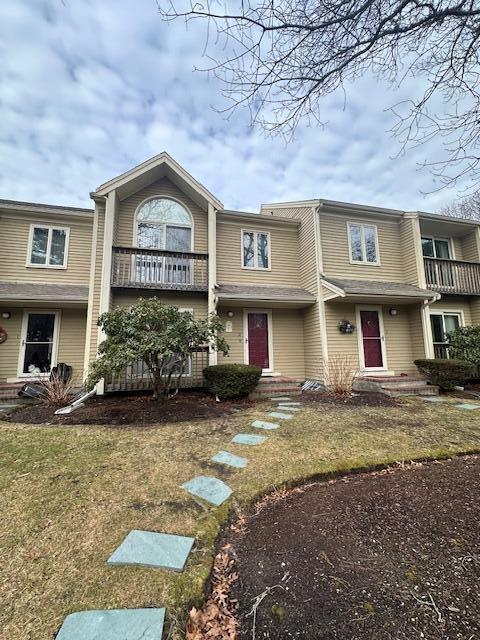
(113, 624)
(290, 404)
(432, 399)
(260, 424)
(280, 416)
(224, 457)
(248, 438)
(468, 406)
(280, 398)
(151, 549)
(287, 407)
(208, 488)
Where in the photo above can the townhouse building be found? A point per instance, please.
(297, 285)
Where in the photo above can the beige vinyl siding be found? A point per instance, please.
(125, 230)
(457, 245)
(470, 247)
(308, 272)
(71, 340)
(398, 336)
(336, 256)
(71, 343)
(416, 331)
(287, 340)
(408, 230)
(182, 301)
(453, 303)
(475, 310)
(284, 255)
(14, 249)
(9, 350)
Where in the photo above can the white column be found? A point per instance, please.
(106, 267)
(212, 270)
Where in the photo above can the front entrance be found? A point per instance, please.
(39, 343)
(257, 326)
(371, 339)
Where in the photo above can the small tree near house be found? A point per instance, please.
(160, 335)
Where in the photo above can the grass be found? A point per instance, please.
(69, 495)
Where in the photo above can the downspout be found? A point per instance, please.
(321, 301)
(426, 326)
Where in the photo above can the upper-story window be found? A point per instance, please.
(363, 243)
(164, 224)
(48, 247)
(255, 249)
(436, 247)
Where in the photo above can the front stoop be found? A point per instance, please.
(395, 386)
(269, 387)
(9, 390)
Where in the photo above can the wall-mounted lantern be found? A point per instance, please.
(393, 312)
(6, 315)
(346, 326)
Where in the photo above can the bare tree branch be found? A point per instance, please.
(280, 58)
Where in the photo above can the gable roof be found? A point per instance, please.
(162, 165)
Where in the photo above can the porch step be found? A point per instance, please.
(395, 385)
(9, 390)
(277, 386)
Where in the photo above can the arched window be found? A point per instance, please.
(164, 224)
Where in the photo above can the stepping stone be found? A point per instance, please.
(208, 488)
(224, 457)
(260, 424)
(289, 404)
(248, 438)
(287, 407)
(113, 624)
(432, 399)
(280, 398)
(280, 416)
(468, 406)
(150, 549)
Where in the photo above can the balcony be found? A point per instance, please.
(138, 268)
(452, 276)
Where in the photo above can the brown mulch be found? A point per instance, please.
(363, 399)
(134, 409)
(391, 555)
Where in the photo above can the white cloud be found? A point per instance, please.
(92, 88)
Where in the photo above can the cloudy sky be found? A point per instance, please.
(90, 88)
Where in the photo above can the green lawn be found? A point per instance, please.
(69, 495)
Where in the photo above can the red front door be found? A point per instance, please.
(258, 340)
(372, 339)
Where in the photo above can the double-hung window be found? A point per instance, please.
(436, 247)
(48, 247)
(255, 250)
(363, 243)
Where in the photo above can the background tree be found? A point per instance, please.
(468, 207)
(159, 335)
(281, 57)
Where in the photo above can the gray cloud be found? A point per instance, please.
(89, 89)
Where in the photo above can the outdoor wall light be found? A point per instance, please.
(346, 326)
(6, 315)
(392, 312)
(230, 314)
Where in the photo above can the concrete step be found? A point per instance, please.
(9, 390)
(394, 385)
(277, 386)
(421, 390)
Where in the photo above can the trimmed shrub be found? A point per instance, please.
(464, 344)
(231, 380)
(447, 373)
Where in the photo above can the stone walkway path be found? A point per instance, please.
(164, 550)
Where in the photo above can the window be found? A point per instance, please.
(436, 248)
(48, 247)
(442, 324)
(164, 224)
(255, 250)
(363, 243)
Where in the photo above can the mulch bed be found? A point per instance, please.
(363, 399)
(134, 409)
(387, 555)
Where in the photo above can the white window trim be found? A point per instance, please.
(362, 226)
(446, 312)
(23, 335)
(49, 244)
(361, 353)
(255, 256)
(451, 247)
(165, 224)
(268, 312)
